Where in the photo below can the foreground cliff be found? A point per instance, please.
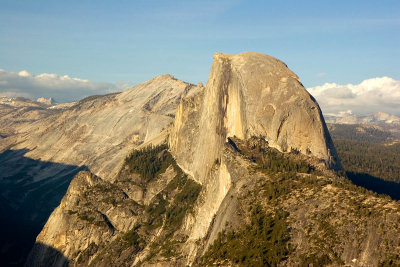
(248, 177)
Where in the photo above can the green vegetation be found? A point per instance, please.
(149, 161)
(378, 160)
(369, 154)
(86, 217)
(156, 210)
(315, 260)
(186, 192)
(133, 240)
(270, 159)
(262, 242)
(392, 260)
(179, 180)
(90, 217)
(265, 239)
(285, 194)
(183, 203)
(119, 252)
(71, 212)
(169, 207)
(274, 161)
(359, 132)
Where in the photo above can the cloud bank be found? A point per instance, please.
(61, 88)
(372, 95)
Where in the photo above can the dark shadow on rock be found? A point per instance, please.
(29, 191)
(46, 256)
(375, 184)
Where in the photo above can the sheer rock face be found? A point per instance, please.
(248, 94)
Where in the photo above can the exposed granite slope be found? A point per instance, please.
(248, 94)
(43, 147)
(99, 131)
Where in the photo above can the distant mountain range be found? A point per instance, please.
(347, 117)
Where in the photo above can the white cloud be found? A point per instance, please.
(24, 73)
(372, 95)
(61, 88)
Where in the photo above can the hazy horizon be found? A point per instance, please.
(380, 94)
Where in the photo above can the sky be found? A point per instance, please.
(111, 45)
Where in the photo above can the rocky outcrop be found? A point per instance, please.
(77, 223)
(99, 222)
(248, 94)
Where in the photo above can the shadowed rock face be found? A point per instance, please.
(29, 191)
(42, 253)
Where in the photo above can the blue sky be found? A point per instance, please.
(133, 41)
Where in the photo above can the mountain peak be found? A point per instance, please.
(252, 94)
(247, 95)
(257, 62)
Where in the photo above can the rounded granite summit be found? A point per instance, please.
(250, 94)
(247, 95)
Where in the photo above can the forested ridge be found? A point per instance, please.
(294, 202)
